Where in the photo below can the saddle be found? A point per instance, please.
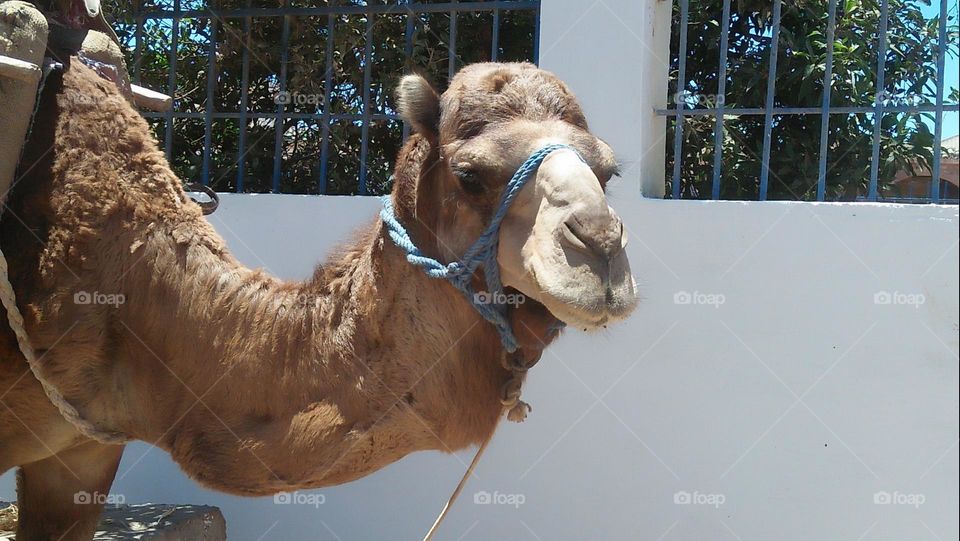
(32, 45)
(35, 42)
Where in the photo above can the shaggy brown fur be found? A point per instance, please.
(252, 384)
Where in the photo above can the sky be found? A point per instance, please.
(951, 120)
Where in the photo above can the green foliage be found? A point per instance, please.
(301, 138)
(906, 141)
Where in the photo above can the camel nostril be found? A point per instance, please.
(575, 234)
(599, 236)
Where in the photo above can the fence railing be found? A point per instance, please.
(240, 75)
(340, 110)
(689, 105)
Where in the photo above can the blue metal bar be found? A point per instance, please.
(172, 81)
(536, 35)
(210, 106)
(452, 46)
(678, 99)
(825, 104)
(495, 37)
(365, 126)
(289, 116)
(177, 15)
(138, 46)
(898, 199)
(878, 103)
(327, 88)
(279, 118)
(721, 100)
(938, 122)
(244, 103)
(687, 113)
(408, 52)
(747, 111)
(768, 104)
(354, 9)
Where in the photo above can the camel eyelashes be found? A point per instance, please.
(607, 174)
(469, 180)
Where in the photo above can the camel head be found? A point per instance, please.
(560, 243)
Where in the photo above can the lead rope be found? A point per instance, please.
(66, 409)
(462, 483)
(482, 253)
(516, 411)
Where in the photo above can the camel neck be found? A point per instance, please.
(348, 371)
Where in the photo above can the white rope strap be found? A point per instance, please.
(460, 485)
(67, 410)
(515, 410)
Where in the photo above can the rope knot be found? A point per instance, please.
(517, 409)
(518, 413)
(458, 274)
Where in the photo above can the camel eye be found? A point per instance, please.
(469, 180)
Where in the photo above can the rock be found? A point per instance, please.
(148, 522)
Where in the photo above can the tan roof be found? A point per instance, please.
(951, 145)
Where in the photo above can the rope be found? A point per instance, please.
(515, 410)
(15, 319)
(482, 253)
(66, 409)
(463, 481)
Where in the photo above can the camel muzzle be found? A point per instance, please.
(482, 253)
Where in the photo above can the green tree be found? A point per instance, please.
(301, 139)
(910, 76)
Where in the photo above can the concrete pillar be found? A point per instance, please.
(615, 51)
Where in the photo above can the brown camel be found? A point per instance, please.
(147, 325)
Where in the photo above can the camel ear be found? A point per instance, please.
(419, 104)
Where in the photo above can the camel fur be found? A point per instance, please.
(256, 385)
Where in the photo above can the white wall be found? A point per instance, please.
(615, 55)
(682, 397)
(794, 401)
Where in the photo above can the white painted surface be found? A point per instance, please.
(614, 55)
(682, 397)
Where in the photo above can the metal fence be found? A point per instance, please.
(204, 36)
(686, 107)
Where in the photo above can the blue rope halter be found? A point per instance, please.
(483, 252)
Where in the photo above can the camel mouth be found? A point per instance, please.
(590, 313)
(586, 299)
